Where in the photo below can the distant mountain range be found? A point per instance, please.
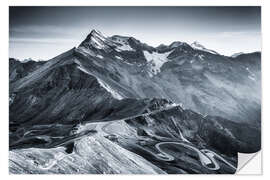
(117, 105)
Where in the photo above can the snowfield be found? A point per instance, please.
(156, 59)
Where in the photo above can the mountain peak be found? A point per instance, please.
(94, 39)
(199, 46)
(177, 44)
(196, 44)
(95, 32)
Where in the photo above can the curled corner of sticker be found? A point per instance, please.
(249, 163)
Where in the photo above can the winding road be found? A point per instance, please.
(206, 156)
(212, 154)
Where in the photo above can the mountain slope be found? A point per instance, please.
(208, 83)
(123, 95)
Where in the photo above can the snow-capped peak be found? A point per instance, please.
(198, 46)
(95, 39)
(99, 41)
(97, 34)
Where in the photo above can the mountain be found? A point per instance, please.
(117, 105)
(236, 54)
(198, 46)
(18, 69)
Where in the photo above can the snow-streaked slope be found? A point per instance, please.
(251, 75)
(122, 43)
(114, 93)
(124, 47)
(97, 40)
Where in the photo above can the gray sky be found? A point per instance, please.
(45, 32)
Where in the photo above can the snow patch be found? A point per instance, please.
(251, 78)
(251, 75)
(198, 46)
(125, 47)
(99, 56)
(175, 104)
(236, 54)
(250, 71)
(122, 44)
(117, 57)
(156, 60)
(201, 57)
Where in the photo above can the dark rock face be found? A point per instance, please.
(164, 107)
(19, 70)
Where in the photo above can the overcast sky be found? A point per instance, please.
(44, 32)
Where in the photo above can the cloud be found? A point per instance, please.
(43, 40)
(39, 29)
(228, 34)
